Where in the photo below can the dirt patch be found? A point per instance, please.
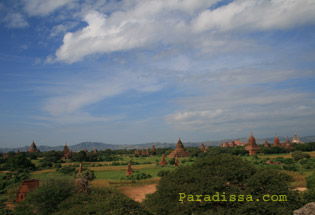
(138, 193)
(301, 189)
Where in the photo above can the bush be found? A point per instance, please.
(226, 174)
(310, 181)
(19, 162)
(298, 155)
(163, 173)
(45, 199)
(100, 201)
(45, 163)
(291, 167)
(138, 176)
(66, 170)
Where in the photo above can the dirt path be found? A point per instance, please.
(138, 193)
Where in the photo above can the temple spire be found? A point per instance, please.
(80, 169)
(129, 170)
(163, 161)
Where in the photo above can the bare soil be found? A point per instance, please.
(138, 193)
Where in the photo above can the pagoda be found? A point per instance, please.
(143, 152)
(277, 142)
(287, 145)
(232, 144)
(207, 149)
(95, 150)
(225, 145)
(137, 152)
(179, 151)
(296, 139)
(66, 151)
(148, 153)
(33, 148)
(129, 170)
(163, 162)
(27, 186)
(266, 144)
(153, 150)
(202, 147)
(252, 147)
(80, 169)
(176, 163)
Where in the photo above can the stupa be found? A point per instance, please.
(232, 144)
(277, 142)
(163, 162)
(33, 148)
(66, 151)
(266, 144)
(179, 151)
(296, 139)
(287, 145)
(202, 147)
(27, 186)
(129, 170)
(252, 147)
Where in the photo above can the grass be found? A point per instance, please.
(285, 155)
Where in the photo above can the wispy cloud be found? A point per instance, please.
(44, 7)
(70, 99)
(15, 20)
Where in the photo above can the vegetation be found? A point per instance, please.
(222, 174)
(60, 197)
(228, 170)
(311, 181)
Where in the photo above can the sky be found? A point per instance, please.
(139, 71)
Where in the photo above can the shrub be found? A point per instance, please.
(45, 199)
(66, 170)
(310, 181)
(163, 173)
(298, 155)
(139, 176)
(221, 173)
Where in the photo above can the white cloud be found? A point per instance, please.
(71, 99)
(183, 23)
(15, 20)
(246, 108)
(44, 7)
(256, 15)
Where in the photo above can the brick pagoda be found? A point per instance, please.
(179, 151)
(252, 147)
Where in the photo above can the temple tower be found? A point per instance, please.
(163, 162)
(179, 150)
(33, 148)
(129, 170)
(252, 146)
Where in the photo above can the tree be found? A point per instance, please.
(45, 199)
(223, 174)
(298, 155)
(19, 162)
(100, 201)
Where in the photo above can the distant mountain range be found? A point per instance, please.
(90, 146)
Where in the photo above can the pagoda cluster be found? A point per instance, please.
(286, 145)
(232, 144)
(253, 148)
(146, 152)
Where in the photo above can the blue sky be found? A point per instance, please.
(128, 72)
